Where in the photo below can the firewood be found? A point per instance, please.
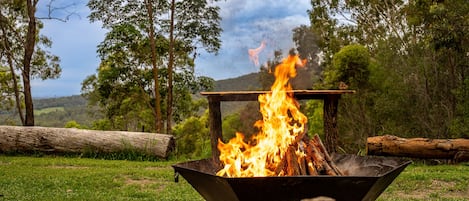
(310, 161)
(279, 170)
(327, 157)
(293, 167)
(302, 159)
(313, 161)
(310, 166)
(318, 159)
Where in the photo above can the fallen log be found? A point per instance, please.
(71, 140)
(389, 145)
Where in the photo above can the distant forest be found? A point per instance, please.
(57, 111)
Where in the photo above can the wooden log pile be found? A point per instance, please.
(314, 161)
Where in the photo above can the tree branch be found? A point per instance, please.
(51, 9)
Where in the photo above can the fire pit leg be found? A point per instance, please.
(330, 122)
(215, 126)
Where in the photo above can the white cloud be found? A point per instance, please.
(245, 22)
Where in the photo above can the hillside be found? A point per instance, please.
(55, 112)
(244, 82)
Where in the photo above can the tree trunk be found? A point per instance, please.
(169, 115)
(388, 145)
(29, 45)
(70, 140)
(157, 108)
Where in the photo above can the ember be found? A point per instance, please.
(281, 148)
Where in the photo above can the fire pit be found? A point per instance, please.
(367, 177)
(281, 162)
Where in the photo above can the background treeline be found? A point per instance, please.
(410, 68)
(407, 60)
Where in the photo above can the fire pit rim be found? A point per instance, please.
(404, 163)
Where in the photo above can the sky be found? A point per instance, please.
(245, 24)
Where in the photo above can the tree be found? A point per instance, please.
(23, 51)
(418, 60)
(195, 24)
(351, 66)
(191, 137)
(306, 45)
(123, 84)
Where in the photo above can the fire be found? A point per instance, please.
(282, 124)
(254, 53)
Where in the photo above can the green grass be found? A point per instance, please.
(48, 110)
(73, 178)
(62, 178)
(423, 182)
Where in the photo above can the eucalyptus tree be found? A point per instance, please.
(191, 24)
(419, 49)
(24, 51)
(122, 87)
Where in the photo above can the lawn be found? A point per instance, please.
(48, 110)
(68, 178)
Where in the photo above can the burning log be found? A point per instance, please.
(314, 161)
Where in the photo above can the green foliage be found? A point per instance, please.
(415, 54)
(7, 100)
(314, 111)
(56, 112)
(266, 76)
(192, 137)
(25, 52)
(231, 124)
(72, 124)
(351, 66)
(102, 124)
(306, 43)
(123, 87)
(48, 110)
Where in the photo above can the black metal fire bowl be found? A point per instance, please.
(367, 177)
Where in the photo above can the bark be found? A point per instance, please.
(69, 140)
(330, 123)
(389, 145)
(314, 161)
(156, 88)
(169, 115)
(29, 45)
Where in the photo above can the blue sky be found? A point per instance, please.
(245, 23)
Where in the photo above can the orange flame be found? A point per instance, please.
(254, 53)
(282, 123)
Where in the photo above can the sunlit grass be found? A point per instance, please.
(48, 110)
(59, 178)
(424, 182)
